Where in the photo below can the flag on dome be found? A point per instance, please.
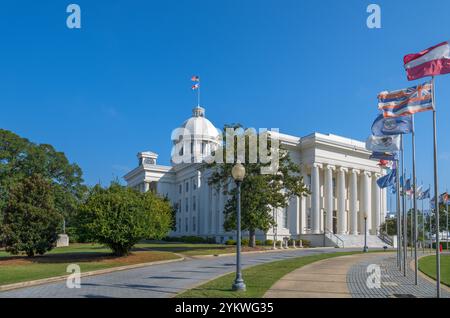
(430, 62)
(406, 101)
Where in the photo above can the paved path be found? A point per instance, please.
(156, 281)
(348, 277)
(322, 279)
(393, 283)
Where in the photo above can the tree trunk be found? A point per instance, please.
(252, 238)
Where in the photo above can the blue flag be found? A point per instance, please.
(383, 156)
(387, 180)
(392, 126)
(424, 195)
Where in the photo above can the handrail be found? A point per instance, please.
(386, 238)
(330, 233)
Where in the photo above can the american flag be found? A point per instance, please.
(406, 101)
(195, 78)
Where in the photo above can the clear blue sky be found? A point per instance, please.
(121, 83)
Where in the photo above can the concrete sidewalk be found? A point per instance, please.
(322, 279)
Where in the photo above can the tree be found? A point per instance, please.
(260, 192)
(119, 217)
(31, 221)
(20, 158)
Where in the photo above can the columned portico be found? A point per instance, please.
(315, 198)
(341, 211)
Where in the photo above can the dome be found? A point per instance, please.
(199, 127)
(195, 140)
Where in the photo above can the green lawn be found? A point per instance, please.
(258, 278)
(14, 269)
(427, 265)
(90, 257)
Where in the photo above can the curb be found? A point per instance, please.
(425, 276)
(255, 252)
(43, 281)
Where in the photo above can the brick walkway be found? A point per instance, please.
(348, 277)
(393, 282)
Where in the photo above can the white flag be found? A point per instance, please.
(383, 143)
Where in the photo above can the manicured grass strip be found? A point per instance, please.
(21, 270)
(258, 278)
(427, 265)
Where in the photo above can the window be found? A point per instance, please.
(187, 186)
(179, 206)
(285, 218)
(180, 188)
(187, 225)
(187, 205)
(179, 225)
(194, 185)
(203, 147)
(193, 224)
(192, 147)
(193, 203)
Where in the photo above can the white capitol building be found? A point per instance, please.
(338, 171)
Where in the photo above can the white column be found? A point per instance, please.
(329, 196)
(367, 204)
(354, 201)
(304, 209)
(384, 207)
(376, 204)
(341, 219)
(315, 199)
(294, 215)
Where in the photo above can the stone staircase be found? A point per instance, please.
(358, 241)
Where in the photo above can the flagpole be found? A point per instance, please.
(446, 208)
(411, 231)
(405, 224)
(436, 199)
(413, 138)
(431, 220)
(399, 219)
(423, 222)
(198, 93)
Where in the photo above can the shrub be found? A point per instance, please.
(30, 221)
(268, 243)
(258, 242)
(306, 243)
(245, 242)
(230, 242)
(119, 217)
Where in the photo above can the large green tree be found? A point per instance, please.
(119, 217)
(31, 221)
(260, 193)
(20, 158)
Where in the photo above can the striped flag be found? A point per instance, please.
(430, 62)
(406, 101)
(195, 78)
(195, 86)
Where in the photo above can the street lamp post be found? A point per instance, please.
(238, 173)
(366, 249)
